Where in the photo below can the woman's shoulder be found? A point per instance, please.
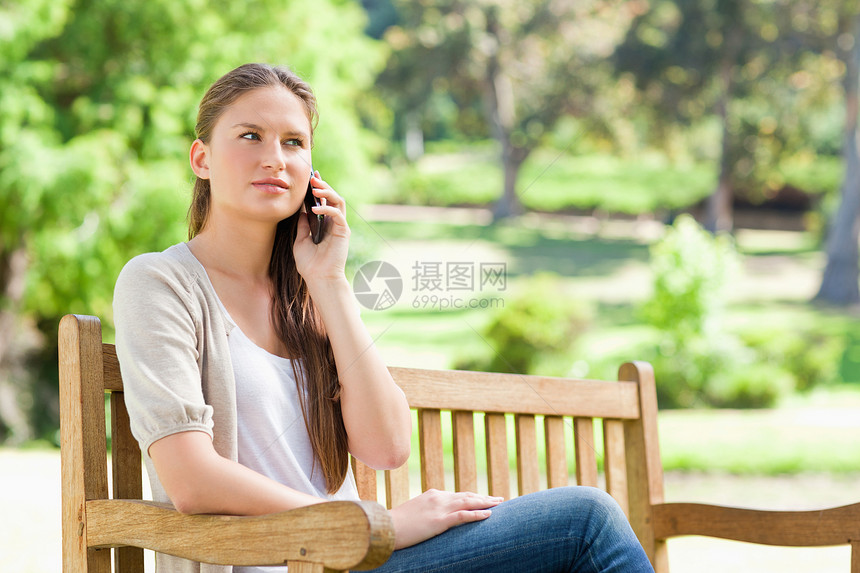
(175, 266)
(175, 259)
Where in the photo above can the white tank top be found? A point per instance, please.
(273, 439)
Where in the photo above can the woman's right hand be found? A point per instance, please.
(434, 512)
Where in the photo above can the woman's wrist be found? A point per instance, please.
(324, 288)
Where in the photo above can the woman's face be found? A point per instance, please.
(258, 160)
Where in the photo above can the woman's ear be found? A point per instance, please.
(199, 157)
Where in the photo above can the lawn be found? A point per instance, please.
(553, 180)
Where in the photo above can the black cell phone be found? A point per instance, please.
(316, 222)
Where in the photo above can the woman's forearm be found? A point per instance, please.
(375, 412)
(199, 480)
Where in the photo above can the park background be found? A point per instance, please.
(675, 181)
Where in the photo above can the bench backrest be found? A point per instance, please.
(88, 369)
(503, 404)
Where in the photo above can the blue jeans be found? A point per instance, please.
(571, 529)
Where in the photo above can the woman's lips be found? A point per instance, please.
(271, 185)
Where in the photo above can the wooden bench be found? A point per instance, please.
(359, 535)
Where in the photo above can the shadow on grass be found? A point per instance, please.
(530, 250)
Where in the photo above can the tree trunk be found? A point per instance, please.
(414, 139)
(719, 216)
(718, 208)
(14, 419)
(839, 280)
(509, 204)
(501, 112)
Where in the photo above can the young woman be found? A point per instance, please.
(249, 376)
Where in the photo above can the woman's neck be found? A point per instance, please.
(234, 249)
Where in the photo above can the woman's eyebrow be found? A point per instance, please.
(248, 126)
(254, 126)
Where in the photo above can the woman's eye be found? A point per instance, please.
(251, 135)
(294, 141)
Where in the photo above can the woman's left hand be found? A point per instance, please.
(324, 261)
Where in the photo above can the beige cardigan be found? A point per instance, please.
(171, 341)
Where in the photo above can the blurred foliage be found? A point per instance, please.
(810, 355)
(514, 68)
(697, 359)
(740, 61)
(535, 331)
(97, 108)
(691, 271)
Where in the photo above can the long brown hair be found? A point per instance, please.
(293, 313)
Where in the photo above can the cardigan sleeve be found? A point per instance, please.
(157, 330)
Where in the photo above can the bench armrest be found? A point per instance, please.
(835, 526)
(338, 534)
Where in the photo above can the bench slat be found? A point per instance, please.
(465, 470)
(528, 475)
(397, 486)
(498, 474)
(127, 475)
(615, 462)
(365, 480)
(110, 368)
(432, 454)
(556, 451)
(586, 460)
(462, 390)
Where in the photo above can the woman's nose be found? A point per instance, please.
(274, 158)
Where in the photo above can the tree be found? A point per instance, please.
(97, 110)
(752, 67)
(528, 63)
(839, 279)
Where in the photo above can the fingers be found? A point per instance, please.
(461, 517)
(435, 511)
(470, 500)
(469, 507)
(330, 197)
(332, 205)
(462, 507)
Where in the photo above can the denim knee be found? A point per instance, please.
(585, 499)
(610, 544)
(602, 503)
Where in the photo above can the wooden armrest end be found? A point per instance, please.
(835, 526)
(339, 534)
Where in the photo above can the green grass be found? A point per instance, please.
(553, 180)
(812, 433)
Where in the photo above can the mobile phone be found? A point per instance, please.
(316, 222)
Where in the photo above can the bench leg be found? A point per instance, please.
(855, 557)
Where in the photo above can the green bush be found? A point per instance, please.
(697, 361)
(811, 357)
(534, 331)
(757, 385)
(691, 270)
(687, 371)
